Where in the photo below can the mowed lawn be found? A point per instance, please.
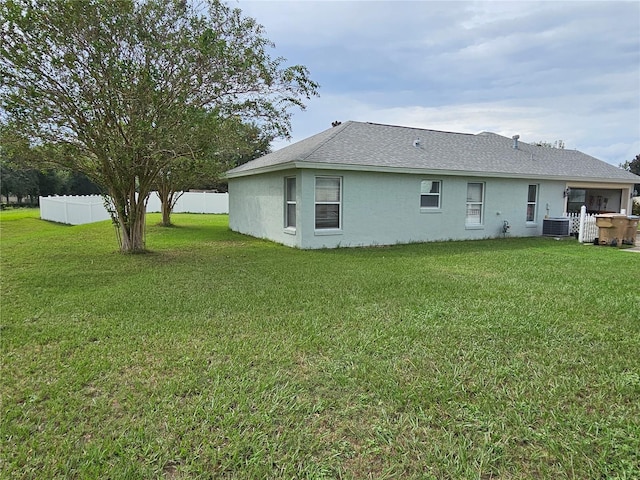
(223, 356)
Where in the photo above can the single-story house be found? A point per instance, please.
(361, 184)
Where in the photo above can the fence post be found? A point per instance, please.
(583, 214)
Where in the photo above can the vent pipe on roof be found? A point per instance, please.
(515, 141)
(416, 142)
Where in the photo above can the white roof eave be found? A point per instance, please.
(418, 171)
(456, 173)
(261, 170)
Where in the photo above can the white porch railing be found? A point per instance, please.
(583, 225)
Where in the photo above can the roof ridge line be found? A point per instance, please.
(423, 129)
(338, 128)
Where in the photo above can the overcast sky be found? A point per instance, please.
(545, 70)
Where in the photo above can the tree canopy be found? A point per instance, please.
(119, 87)
(559, 144)
(632, 166)
(225, 143)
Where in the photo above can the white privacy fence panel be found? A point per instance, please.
(73, 209)
(194, 202)
(81, 209)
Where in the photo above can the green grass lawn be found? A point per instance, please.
(223, 356)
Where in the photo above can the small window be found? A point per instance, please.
(532, 201)
(475, 203)
(430, 194)
(328, 202)
(290, 202)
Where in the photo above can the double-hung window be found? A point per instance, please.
(430, 194)
(532, 200)
(290, 202)
(475, 203)
(328, 203)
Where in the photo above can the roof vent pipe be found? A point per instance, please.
(515, 141)
(416, 142)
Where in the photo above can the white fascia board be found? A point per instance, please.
(424, 171)
(455, 173)
(260, 170)
(382, 169)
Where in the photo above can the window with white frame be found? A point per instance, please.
(475, 203)
(328, 202)
(290, 202)
(532, 201)
(430, 193)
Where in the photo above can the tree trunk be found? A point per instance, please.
(166, 215)
(129, 215)
(165, 207)
(133, 233)
(166, 201)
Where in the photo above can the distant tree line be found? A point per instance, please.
(559, 144)
(23, 186)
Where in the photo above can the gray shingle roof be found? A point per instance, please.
(357, 145)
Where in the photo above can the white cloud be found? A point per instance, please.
(532, 122)
(545, 70)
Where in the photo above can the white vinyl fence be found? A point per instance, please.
(585, 222)
(78, 210)
(73, 209)
(194, 202)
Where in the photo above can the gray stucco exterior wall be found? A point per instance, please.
(256, 207)
(384, 208)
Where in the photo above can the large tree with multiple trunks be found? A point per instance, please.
(119, 87)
